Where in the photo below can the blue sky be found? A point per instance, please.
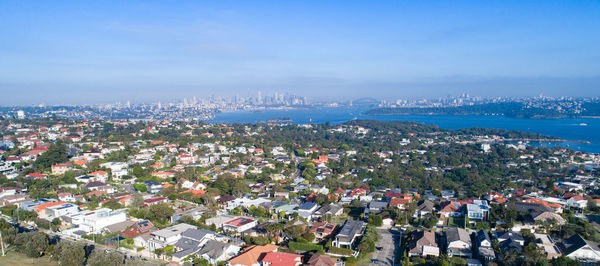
(60, 52)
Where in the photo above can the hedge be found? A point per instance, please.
(341, 251)
(305, 246)
(140, 187)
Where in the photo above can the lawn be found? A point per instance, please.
(456, 222)
(15, 258)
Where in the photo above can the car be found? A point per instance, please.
(374, 260)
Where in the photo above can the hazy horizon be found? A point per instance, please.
(103, 52)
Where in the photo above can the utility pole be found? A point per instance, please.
(2, 244)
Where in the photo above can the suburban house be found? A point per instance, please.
(423, 244)
(95, 221)
(239, 224)
(450, 209)
(323, 260)
(547, 216)
(216, 251)
(190, 243)
(323, 230)
(153, 186)
(98, 186)
(329, 210)
(61, 210)
(61, 168)
(484, 246)
(252, 255)
(167, 236)
(478, 210)
(458, 242)
(349, 233)
(139, 228)
(584, 251)
(510, 241)
(281, 259)
(548, 244)
(305, 210)
(424, 207)
(509, 235)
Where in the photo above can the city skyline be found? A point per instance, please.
(77, 53)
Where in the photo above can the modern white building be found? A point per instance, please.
(167, 236)
(117, 169)
(349, 233)
(95, 221)
(61, 210)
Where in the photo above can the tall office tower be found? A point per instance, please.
(20, 114)
(259, 99)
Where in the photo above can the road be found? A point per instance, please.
(386, 248)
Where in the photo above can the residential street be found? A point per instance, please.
(386, 248)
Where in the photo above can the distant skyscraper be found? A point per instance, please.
(20, 114)
(259, 97)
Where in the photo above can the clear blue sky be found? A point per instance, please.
(96, 51)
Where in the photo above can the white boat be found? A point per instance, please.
(583, 124)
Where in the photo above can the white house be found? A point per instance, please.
(579, 249)
(239, 224)
(95, 221)
(61, 210)
(167, 236)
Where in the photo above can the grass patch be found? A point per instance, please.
(15, 258)
(305, 246)
(355, 212)
(456, 222)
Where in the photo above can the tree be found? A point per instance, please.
(140, 187)
(138, 201)
(223, 185)
(239, 189)
(563, 261)
(533, 253)
(33, 244)
(161, 212)
(100, 258)
(70, 253)
(56, 153)
(113, 204)
(375, 220)
(56, 223)
(9, 233)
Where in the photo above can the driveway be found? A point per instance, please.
(386, 248)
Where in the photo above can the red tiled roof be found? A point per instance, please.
(282, 259)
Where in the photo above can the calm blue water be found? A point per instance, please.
(569, 129)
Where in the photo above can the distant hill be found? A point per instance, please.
(509, 109)
(365, 101)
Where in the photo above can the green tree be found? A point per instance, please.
(69, 253)
(375, 219)
(56, 153)
(100, 258)
(160, 212)
(33, 244)
(563, 261)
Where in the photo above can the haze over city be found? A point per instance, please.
(99, 52)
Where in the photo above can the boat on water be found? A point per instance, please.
(583, 124)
